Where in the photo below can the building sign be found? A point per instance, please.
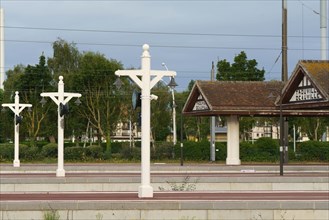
(306, 92)
(200, 104)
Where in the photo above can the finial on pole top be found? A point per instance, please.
(146, 52)
(61, 78)
(16, 93)
(146, 47)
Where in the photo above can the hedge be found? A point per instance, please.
(313, 151)
(263, 150)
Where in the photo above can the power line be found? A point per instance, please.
(154, 32)
(147, 0)
(165, 46)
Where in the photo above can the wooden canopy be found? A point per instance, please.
(305, 94)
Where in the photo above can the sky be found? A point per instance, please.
(186, 35)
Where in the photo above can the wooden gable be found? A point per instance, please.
(308, 87)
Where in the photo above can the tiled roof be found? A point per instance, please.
(240, 94)
(261, 98)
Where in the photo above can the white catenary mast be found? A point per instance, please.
(2, 49)
(323, 28)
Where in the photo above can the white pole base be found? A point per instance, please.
(233, 161)
(16, 163)
(60, 173)
(145, 191)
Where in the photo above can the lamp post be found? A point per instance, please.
(172, 84)
(146, 79)
(16, 108)
(62, 99)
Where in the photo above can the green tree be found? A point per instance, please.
(65, 60)
(241, 70)
(35, 80)
(101, 105)
(2, 127)
(313, 127)
(161, 109)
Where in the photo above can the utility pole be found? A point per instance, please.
(17, 108)
(212, 124)
(284, 78)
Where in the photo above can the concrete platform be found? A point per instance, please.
(109, 191)
(126, 177)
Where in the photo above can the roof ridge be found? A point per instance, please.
(314, 61)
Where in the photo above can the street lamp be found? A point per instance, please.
(172, 84)
(17, 108)
(146, 79)
(61, 101)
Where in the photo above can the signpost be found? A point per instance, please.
(17, 108)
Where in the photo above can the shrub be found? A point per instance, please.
(267, 145)
(195, 150)
(6, 152)
(95, 152)
(30, 153)
(75, 154)
(314, 151)
(162, 150)
(248, 151)
(221, 151)
(117, 146)
(50, 150)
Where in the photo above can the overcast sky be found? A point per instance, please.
(185, 34)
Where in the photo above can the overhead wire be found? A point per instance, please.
(154, 32)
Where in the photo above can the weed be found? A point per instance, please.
(51, 215)
(185, 186)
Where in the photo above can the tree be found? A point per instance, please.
(2, 122)
(161, 118)
(65, 58)
(35, 80)
(101, 105)
(241, 70)
(314, 127)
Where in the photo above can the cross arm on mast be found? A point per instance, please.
(158, 76)
(69, 96)
(22, 106)
(132, 74)
(52, 95)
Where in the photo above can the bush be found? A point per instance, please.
(30, 153)
(50, 150)
(313, 151)
(248, 151)
(267, 146)
(75, 154)
(197, 151)
(162, 150)
(95, 152)
(221, 151)
(6, 152)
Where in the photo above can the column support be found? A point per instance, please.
(233, 143)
